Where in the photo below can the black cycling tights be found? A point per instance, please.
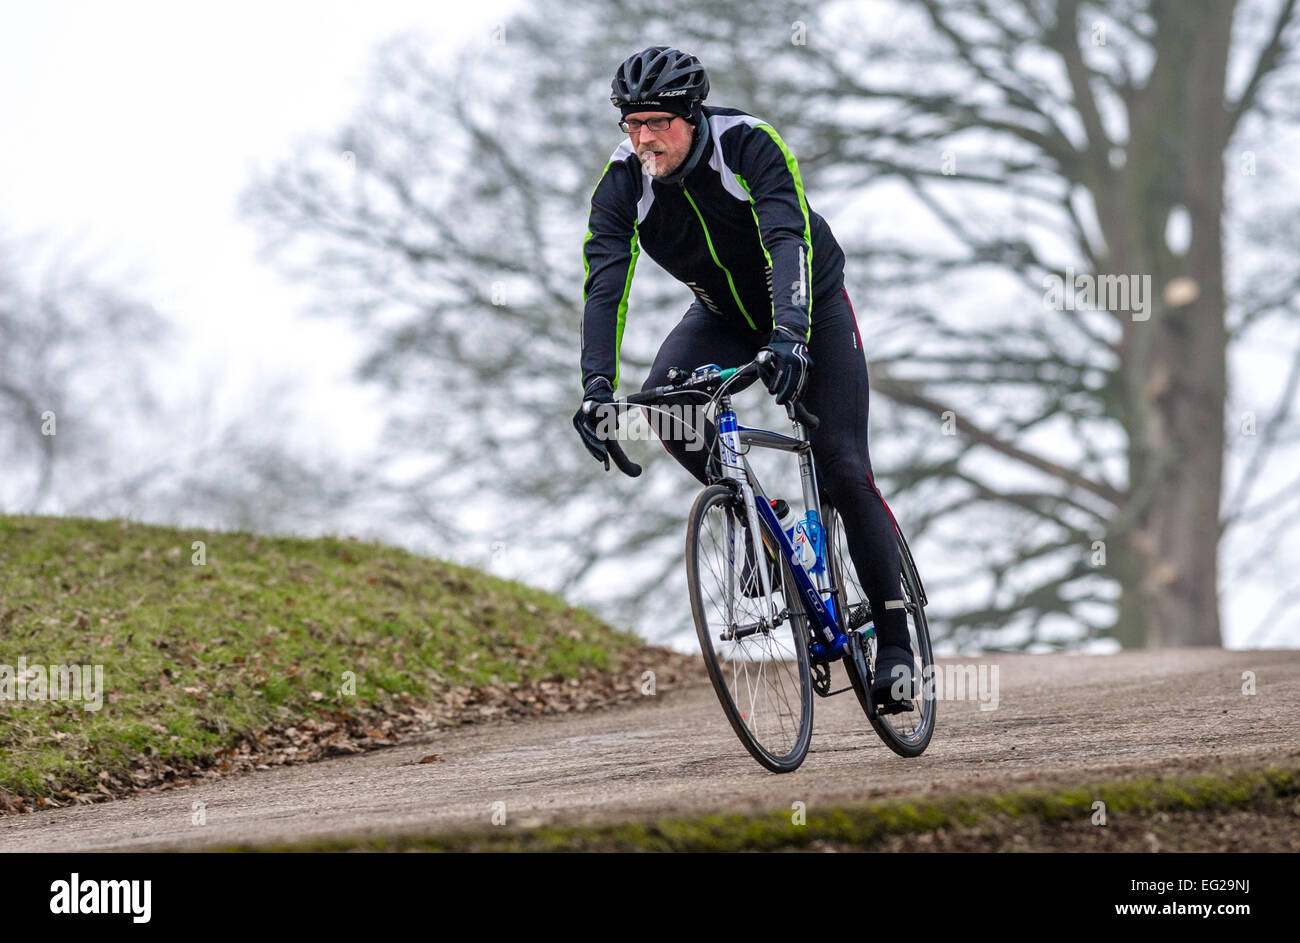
(837, 393)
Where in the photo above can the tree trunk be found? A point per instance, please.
(1174, 368)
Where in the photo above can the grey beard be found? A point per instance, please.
(658, 169)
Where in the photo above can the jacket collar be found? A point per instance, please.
(697, 156)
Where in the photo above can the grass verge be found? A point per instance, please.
(220, 652)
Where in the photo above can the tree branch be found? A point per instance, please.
(908, 394)
(1270, 57)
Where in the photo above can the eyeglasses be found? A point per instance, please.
(654, 124)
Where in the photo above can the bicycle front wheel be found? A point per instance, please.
(759, 669)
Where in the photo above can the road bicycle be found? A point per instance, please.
(771, 622)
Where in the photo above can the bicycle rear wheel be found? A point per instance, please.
(906, 732)
(759, 671)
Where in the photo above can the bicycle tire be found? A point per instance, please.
(732, 679)
(907, 734)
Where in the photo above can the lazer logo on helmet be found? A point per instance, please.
(645, 103)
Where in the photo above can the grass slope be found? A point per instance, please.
(200, 662)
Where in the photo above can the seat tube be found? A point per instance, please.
(812, 502)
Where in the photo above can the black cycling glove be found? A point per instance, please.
(596, 416)
(787, 372)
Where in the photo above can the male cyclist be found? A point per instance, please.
(715, 197)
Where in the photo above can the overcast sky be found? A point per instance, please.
(130, 128)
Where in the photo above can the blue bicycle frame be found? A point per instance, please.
(823, 621)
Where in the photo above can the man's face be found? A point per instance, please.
(661, 152)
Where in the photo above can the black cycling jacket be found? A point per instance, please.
(737, 230)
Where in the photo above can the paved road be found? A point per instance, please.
(1059, 719)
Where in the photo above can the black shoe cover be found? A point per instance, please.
(894, 667)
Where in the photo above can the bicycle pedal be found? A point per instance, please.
(895, 707)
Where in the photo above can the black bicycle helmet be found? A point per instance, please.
(659, 79)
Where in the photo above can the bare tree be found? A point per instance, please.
(445, 221)
(247, 469)
(72, 349)
(85, 430)
(1064, 135)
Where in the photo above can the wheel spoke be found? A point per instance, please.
(765, 678)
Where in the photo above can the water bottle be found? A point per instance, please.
(804, 547)
(784, 517)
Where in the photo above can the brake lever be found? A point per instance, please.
(801, 412)
(625, 464)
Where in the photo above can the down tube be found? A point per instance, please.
(823, 624)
